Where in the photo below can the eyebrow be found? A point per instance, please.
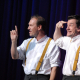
(71, 23)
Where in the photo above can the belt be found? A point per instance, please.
(71, 75)
(37, 75)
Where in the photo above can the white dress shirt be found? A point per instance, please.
(71, 46)
(34, 52)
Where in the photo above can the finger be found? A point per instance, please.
(63, 22)
(60, 24)
(16, 28)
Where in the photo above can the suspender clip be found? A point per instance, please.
(36, 72)
(73, 73)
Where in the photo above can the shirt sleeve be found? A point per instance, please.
(54, 55)
(63, 42)
(22, 49)
(55, 58)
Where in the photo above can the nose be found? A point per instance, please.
(67, 28)
(28, 28)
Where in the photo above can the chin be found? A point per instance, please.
(31, 36)
(69, 35)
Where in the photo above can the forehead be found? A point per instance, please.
(32, 21)
(71, 21)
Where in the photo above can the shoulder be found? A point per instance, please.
(27, 40)
(52, 43)
(66, 38)
(63, 39)
(52, 40)
(52, 47)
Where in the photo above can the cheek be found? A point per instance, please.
(74, 31)
(34, 30)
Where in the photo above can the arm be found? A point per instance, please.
(14, 36)
(53, 73)
(57, 33)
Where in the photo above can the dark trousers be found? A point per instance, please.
(37, 77)
(71, 77)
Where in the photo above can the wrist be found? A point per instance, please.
(14, 41)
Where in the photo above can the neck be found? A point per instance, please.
(40, 35)
(76, 35)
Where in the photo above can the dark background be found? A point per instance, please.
(18, 12)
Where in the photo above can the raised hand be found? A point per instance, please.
(57, 33)
(14, 34)
(60, 24)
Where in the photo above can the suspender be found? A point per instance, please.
(76, 60)
(27, 48)
(28, 44)
(42, 56)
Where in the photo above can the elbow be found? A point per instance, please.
(14, 57)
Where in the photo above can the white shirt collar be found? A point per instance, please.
(42, 39)
(75, 38)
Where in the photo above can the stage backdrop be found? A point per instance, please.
(18, 12)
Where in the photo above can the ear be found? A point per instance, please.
(39, 27)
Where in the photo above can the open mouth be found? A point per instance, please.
(68, 31)
(29, 31)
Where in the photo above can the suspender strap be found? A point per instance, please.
(42, 56)
(28, 44)
(76, 60)
(27, 48)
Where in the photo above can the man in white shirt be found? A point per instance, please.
(51, 59)
(70, 43)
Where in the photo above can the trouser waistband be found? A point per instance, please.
(37, 77)
(71, 75)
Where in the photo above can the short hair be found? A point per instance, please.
(77, 17)
(40, 21)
